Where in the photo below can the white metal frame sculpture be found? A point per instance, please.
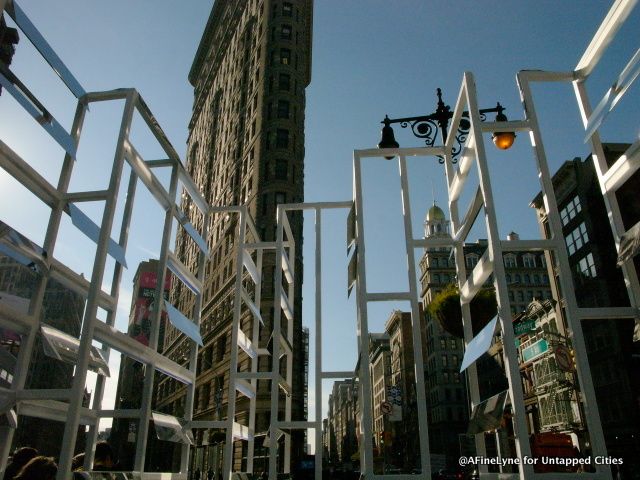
(66, 405)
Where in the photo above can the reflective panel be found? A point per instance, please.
(45, 49)
(629, 244)
(487, 416)
(20, 248)
(171, 429)
(30, 103)
(183, 324)
(64, 347)
(91, 230)
(479, 345)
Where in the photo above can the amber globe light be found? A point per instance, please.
(503, 140)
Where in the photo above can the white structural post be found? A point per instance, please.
(494, 249)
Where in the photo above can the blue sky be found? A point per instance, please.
(370, 58)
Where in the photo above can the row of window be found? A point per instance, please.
(569, 212)
(527, 279)
(577, 239)
(528, 261)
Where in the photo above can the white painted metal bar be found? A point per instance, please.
(276, 327)
(24, 173)
(432, 242)
(233, 361)
(253, 307)
(387, 296)
(41, 115)
(192, 282)
(246, 345)
(469, 217)
(622, 169)
(365, 390)
(54, 410)
(464, 166)
(147, 176)
(407, 152)
(529, 245)
(543, 76)
(254, 375)
(250, 266)
(245, 388)
(423, 423)
(506, 126)
(618, 13)
(474, 283)
(286, 306)
(319, 374)
(608, 312)
(337, 374)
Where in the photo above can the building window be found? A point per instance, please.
(287, 9)
(510, 261)
(586, 266)
(283, 109)
(452, 343)
(444, 361)
(471, 261)
(282, 138)
(570, 210)
(576, 239)
(445, 377)
(281, 197)
(221, 345)
(281, 169)
(443, 344)
(284, 82)
(285, 32)
(529, 261)
(285, 56)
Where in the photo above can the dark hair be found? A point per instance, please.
(103, 451)
(20, 458)
(38, 468)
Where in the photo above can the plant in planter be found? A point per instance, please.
(445, 308)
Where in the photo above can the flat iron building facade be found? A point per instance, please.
(245, 147)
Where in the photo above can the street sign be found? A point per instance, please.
(535, 350)
(386, 408)
(524, 327)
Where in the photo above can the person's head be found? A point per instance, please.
(22, 455)
(103, 458)
(38, 468)
(77, 462)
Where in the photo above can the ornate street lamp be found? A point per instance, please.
(427, 127)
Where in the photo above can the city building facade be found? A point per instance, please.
(245, 147)
(63, 310)
(614, 357)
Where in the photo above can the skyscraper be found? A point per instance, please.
(245, 147)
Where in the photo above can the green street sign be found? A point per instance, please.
(526, 326)
(535, 350)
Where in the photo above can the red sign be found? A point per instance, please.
(150, 280)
